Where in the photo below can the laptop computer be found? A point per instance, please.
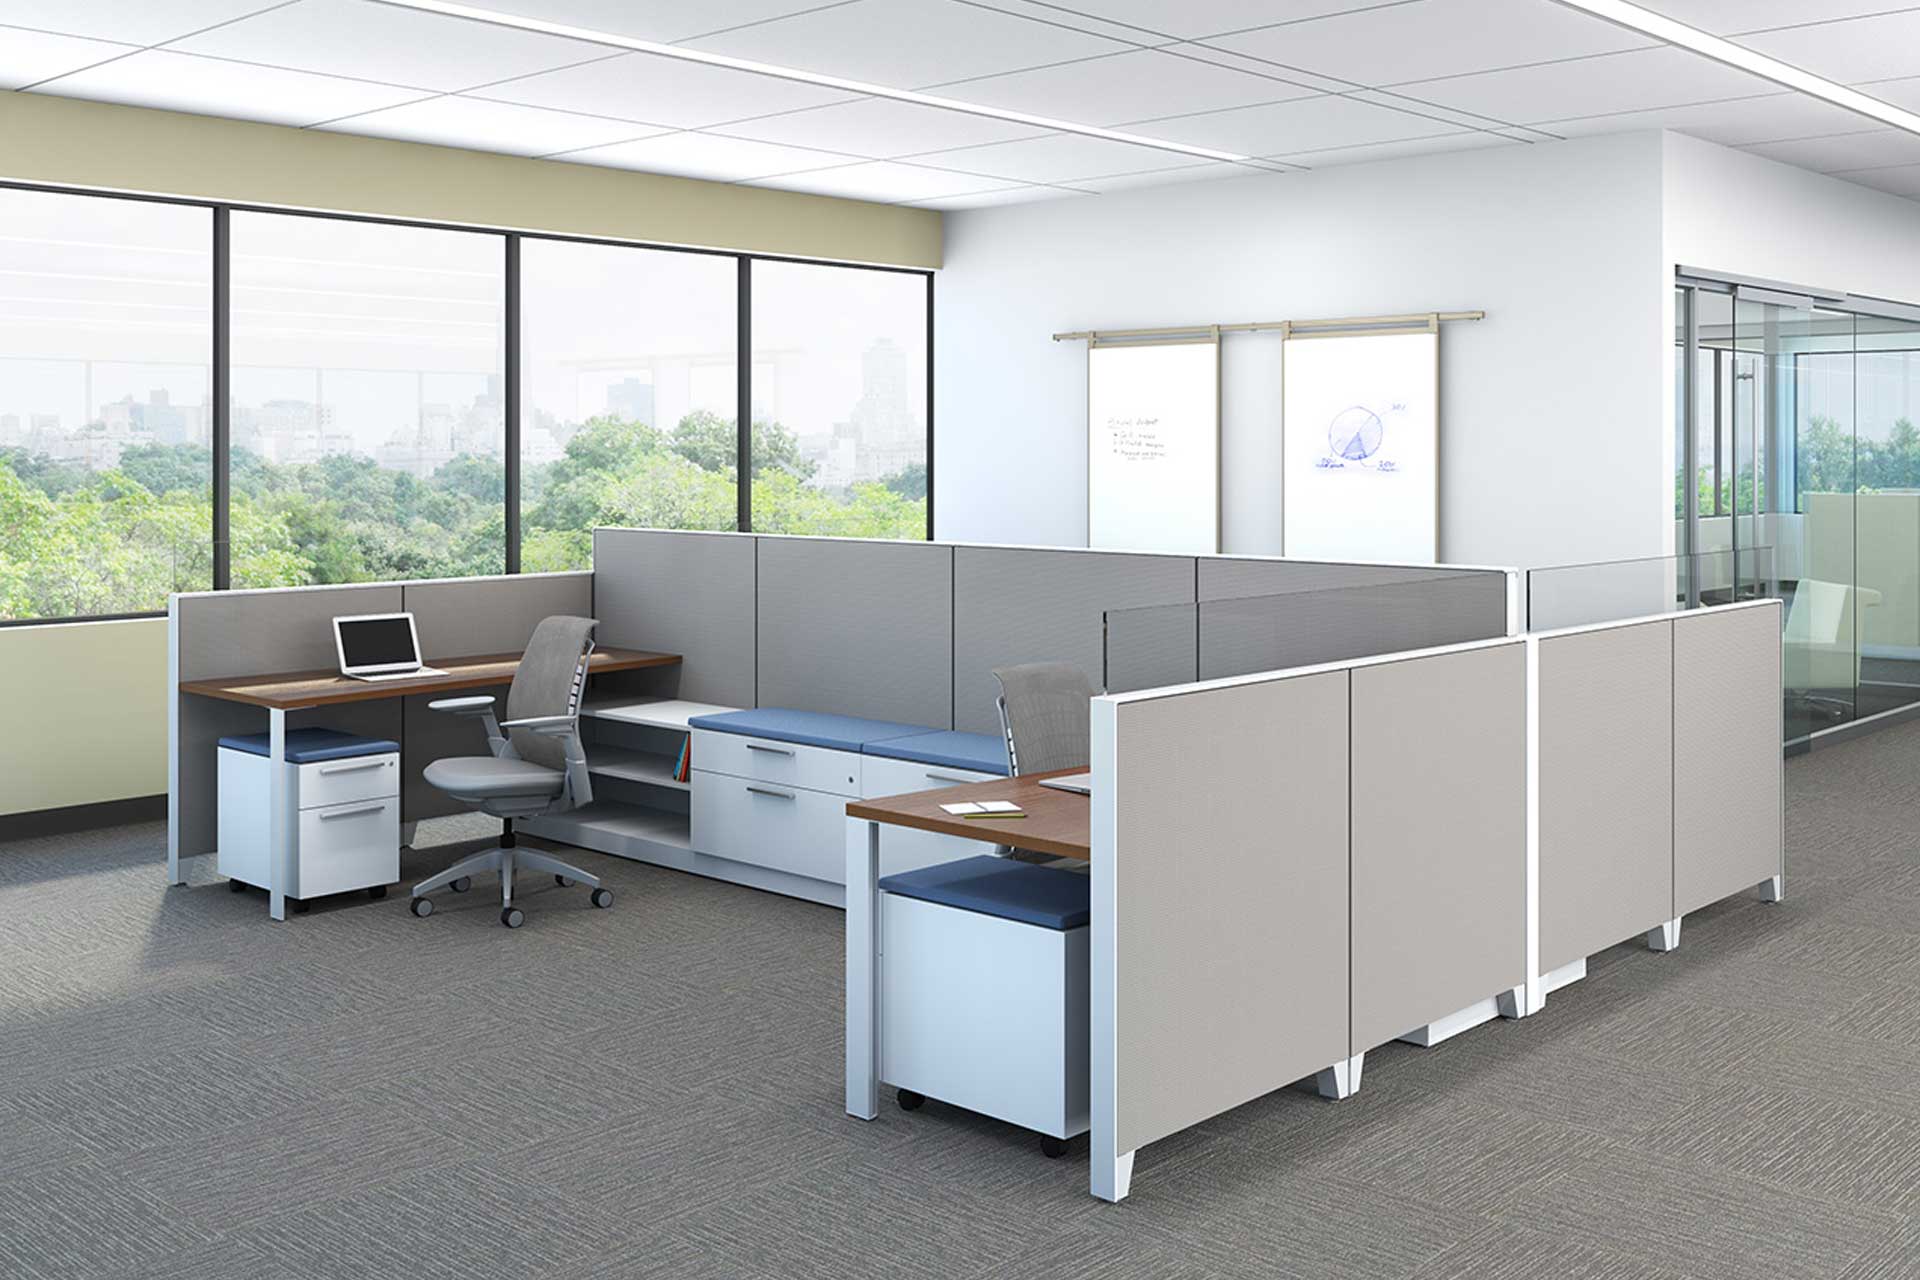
(379, 646)
(1078, 783)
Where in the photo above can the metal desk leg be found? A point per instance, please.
(863, 956)
(277, 877)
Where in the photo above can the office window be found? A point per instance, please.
(106, 339)
(839, 401)
(628, 395)
(367, 430)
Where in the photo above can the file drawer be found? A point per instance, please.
(791, 764)
(769, 824)
(903, 848)
(330, 782)
(347, 846)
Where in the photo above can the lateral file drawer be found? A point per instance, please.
(330, 782)
(768, 824)
(903, 848)
(767, 760)
(347, 846)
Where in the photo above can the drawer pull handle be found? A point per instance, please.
(329, 815)
(772, 751)
(353, 768)
(769, 791)
(946, 777)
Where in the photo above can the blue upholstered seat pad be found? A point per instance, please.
(809, 728)
(1050, 897)
(978, 752)
(310, 746)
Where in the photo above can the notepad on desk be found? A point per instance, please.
(985, 809)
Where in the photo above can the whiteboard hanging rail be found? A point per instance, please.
(1203, 332)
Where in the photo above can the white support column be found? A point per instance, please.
(1664, 937)
(863, 962)
(174, 875)
(277, 800)
(1532, 995)
(1110, 1176)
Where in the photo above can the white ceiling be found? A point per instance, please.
(1292, 84)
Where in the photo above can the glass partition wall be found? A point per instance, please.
(1796, 422)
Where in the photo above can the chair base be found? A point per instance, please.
(504, 859)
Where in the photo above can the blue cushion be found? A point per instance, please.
(1050, 897)
(979, 752)
(308, 746)
(811, 728)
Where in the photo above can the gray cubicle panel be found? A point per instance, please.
(1014, 605)
(243, 633)
(464, 618)
(685, 593)
(1606, 720)
(1269, 615)
(857, 628)
(1231, 912)
(1439, 800)
(1726, 752)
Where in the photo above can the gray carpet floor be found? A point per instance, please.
(188, 1092)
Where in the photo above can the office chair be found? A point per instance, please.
(1044, 719)
(537, 767)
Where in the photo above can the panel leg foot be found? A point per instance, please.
(408, 830)
(1664, 937)
(1342, 1079)
(1773, 888)
(1112, 1179)
(1515, 1004)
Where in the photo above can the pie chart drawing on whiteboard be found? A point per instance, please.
(1354, 438)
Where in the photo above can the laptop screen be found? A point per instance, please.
(376, 642)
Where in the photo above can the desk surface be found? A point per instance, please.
(291, 690)
(1057, 822)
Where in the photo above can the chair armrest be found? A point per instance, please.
(463, 706)
(552, 726)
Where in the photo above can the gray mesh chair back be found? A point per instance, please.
(548, 683)
(1044, 711)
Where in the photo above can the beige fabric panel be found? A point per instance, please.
(1606, 788)
(1726, 752)
(1439, 837)
(1231, 917)
(491, 615)
(685, 593)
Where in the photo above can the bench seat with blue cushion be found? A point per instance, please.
(809, 728)
(978, 752)
(310, 746)
(1049, 897)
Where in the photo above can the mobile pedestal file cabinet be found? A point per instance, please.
(341, 819)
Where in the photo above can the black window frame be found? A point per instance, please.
(220, 434)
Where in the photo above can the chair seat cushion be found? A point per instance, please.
(1050, 897)
(488, 777)
(976, 752)
(809, 728)
(310, 746)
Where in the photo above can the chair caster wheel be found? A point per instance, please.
(422, 907)
(1051, 1147)
(563, 882)
(377, 891)
(300, 906)
(911, 1101)
(602, 897)
(512, 917)
(461, 885)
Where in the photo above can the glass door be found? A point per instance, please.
(1887, 511)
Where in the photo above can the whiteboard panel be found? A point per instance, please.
(1153, 447)
(1361, 449)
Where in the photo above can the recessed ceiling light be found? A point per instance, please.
(1660, 27)
(495, 17)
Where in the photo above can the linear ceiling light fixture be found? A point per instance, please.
(1633, 17)
(495, 17)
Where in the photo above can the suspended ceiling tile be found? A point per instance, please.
(1873, 48)
(1901, 92)
(994, 199)
(1391, 44)
(907, 44)
(1730, 17)
(479, 125)
(1206, 171)
(1735, 122)
(1058, 158)
(704, 155)
(381, 42)
(240, 90)
(661, 21)
(28, 57)
(661, 90)
(1334, 156)
(879, 127)
(1642, 80)
(1865, 149)
(1189, 19)
(888, 183)
(141, 22)
(1903, 180)
(1140, 85)
(1325, 121)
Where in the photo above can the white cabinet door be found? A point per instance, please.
(791, 764)
(768, 824)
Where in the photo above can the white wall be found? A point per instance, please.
(1551, 408)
